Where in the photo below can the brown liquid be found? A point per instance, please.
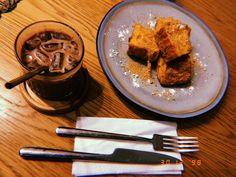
(59, 90)
(56, 50)
(61, 54)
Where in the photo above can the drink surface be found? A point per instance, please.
(56, 50)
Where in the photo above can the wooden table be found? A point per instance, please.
(20, 125)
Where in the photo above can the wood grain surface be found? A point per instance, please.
(20, 125)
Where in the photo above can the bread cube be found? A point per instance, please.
(175, 72)
(142, 44)
(173, 38)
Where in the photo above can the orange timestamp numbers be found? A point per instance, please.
(194, 162)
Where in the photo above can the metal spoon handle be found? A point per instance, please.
(24, 77)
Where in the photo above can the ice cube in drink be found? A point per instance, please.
(45, 36)
(52, 46)
(32, 43)
(62, 36)
(56, 64)
(41, 58)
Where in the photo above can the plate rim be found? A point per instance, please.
(120, 89)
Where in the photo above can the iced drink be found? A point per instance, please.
(56, 46)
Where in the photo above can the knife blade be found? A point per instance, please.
(119, 155)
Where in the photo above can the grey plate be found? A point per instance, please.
(211, 73)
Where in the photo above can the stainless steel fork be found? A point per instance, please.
(160, 142)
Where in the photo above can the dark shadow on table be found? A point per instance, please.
(94, 92)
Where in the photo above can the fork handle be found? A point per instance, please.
(72, 132)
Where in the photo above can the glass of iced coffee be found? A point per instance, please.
(58, 47)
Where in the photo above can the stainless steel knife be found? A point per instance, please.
(119, 156)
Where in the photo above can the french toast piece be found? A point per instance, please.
(142, 44)
(175, 72)
(172, 37)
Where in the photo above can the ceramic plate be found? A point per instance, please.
(210, 78)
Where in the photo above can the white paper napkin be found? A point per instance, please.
(145, 128)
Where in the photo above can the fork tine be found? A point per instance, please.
(180, 150)
(180, 145)
(188, 150)
(186, 138)
(187, 142)
(180, 141)
(180, 138)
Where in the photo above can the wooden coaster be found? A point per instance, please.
(56, 107)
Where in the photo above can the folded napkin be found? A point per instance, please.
(145, 128)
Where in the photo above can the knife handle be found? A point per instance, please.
(72, 132)
(41, 153)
